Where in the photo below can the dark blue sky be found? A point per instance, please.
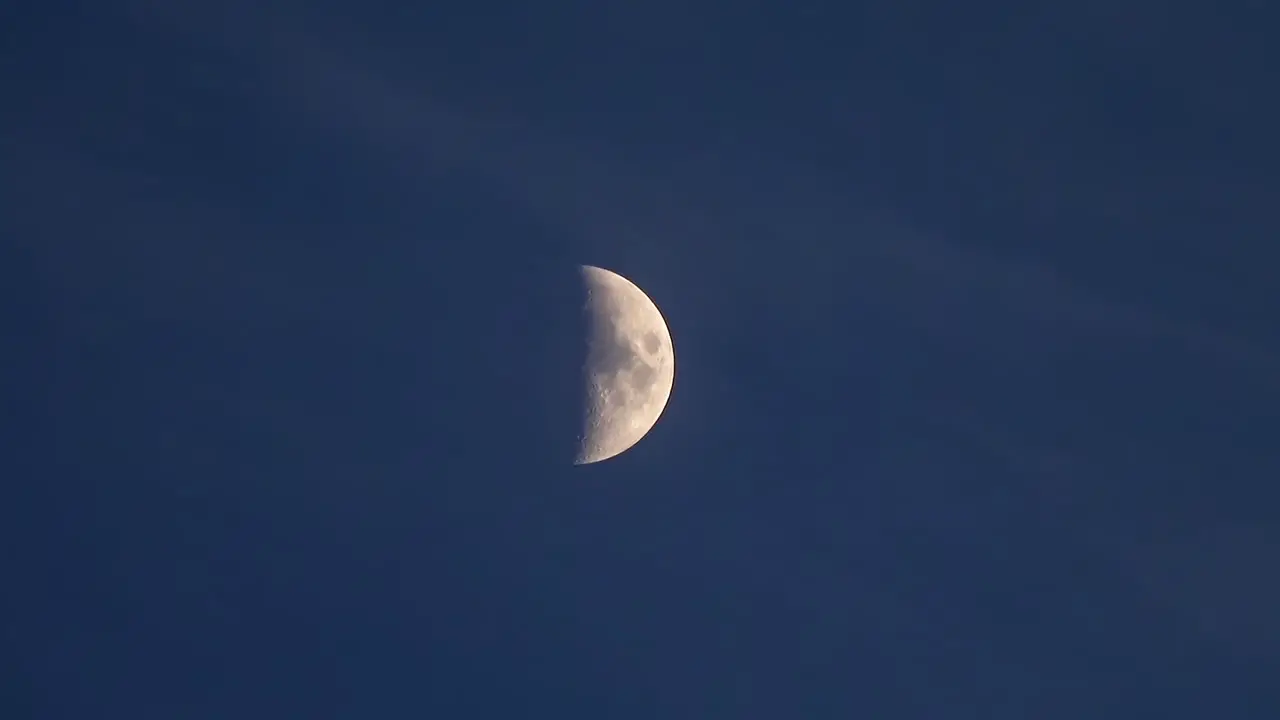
(976, 408)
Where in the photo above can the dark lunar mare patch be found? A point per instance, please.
(651, 342)
(616, 354)
(642, 378)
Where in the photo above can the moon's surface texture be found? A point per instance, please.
(630, 366)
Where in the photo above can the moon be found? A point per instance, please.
(630, 366)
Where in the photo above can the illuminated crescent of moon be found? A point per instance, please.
(630, 366)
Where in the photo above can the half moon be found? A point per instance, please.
(630, 366)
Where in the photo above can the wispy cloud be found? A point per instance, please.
(811, 249)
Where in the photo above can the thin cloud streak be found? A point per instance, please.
(822, 249)
(679, 215)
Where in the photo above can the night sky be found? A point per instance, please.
(977, 398)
